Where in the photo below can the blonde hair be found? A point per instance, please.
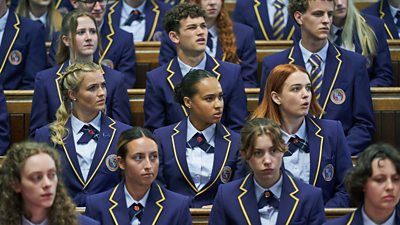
(70, 81)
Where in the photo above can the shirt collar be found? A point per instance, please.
(128, 9)
(301, 133)
(321, 53)
(186, 68)
(25, 221)
(42, 18)
(213, 30)
(335, 28)
(78, 124)
(3, 21)
(368, 221)
(393, 10)
(276, 189)
(208, 133)
(130, 200)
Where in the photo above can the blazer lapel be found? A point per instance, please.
(154, 204)
(212, 65)
(261, 11)
(59, 76)
(107, 34)
(174, 77)
(295, 56)
(289, 29)
(152, 16)
(114, 18)
(9, 37)
(355, 218)
(118, 209)
(315, 141)
(385, 14)
(288, 200)
(248, 202)
(179, 148)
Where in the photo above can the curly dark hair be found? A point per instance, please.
(357, 177)
(182, 11)
(11, 204)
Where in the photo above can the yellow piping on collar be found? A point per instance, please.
(240, 199)
(115, 204)
(110, 40)
(256, 4)
(295, 198)
(157, 11)
(382, 15)
(159, 205)
(320, 150)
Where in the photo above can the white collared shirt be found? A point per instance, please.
(214, 32)
(272, 11)
(130, 200)
(3, 21)
(393, 11)
(299, 162)
(84, 152)
(199, 162)
(368, 221)
(268, 214)
(307, 54)
(136, 28)
(42, 18)
(25, 221)
(186, 68)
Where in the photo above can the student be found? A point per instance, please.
(227, 41)
(363, 34)
(142, 18)
(198, 153)
(138, 199)
(84, 136)
(78, 42)
(117, 50)
(388, 10)
(342, 85)
(186, 27)
(32, 188)
(43, 12)
(22, 51)
(374, 186)
(4, 124)
(268, 195)
(318, 151)
(269, 19)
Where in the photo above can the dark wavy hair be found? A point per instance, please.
(130, 135)
(11, 203)
(357, 177)
(182, 11)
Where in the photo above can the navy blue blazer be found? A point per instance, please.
(345, 94)
(162, 207)
(47, 97)
(4, 124)
(154, 10)
(380, 67)
(246, 51)
(254, 13)
(381, 9)
(161, 109)
(174, 172)
(329, 160)
(355, 218)
(84, 220)
(103, 173)
(236, 203)
(22, 52)
(118, 52)
(172, 2)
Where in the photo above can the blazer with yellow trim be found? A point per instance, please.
(236, 203)
(103, 173)
(155, 12)
(174, 171)
(329, 160)
(254, 13)
(161, 109)
(381, 9)
(162, 207)
(46, 97)
(4, 124)
(22, 52)
(172, 2)
(345, 91)
(356, 218)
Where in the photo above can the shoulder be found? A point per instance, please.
(343, 220)
(112, 74)
(351, 57)
(306, 190)
(123, 37)
(49, 73)
(102, 197)
(373, 9)
(173, 197)
(325, 123)
(27, 24)
(228, 65)
(84, 220)
(121, 126)
(167, 130)
(277, 58)
(160, 5)
(241, 29)
(159, 71)
(242, 4)
(373, 21)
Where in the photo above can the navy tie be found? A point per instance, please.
(198, 140)
(268, 199)
(209, 41)
(338, 40)
(89, 132)
(135, 210)
(296, 143)
(135, 15)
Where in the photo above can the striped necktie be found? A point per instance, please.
(316, 74)
(279, 20)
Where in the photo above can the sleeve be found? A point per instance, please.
(343, 163)
(185, 217)
(91, 210)
(120, 108)
(160, 175)
(154, 111)
(39, 111)
(4, 124)
(249, 60)
(127, 62)
(167, 49)
(217, 215)
(317, 214)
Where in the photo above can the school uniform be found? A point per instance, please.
(154, 11)
(4, 124)
(172, 2)
(236, 203)
(329, 160)
(345, 91)
(47, 97)
(174, 171)
(357, 218)
(103, 173)
(22, 52)
(162, 207)
(118, 52)
(254, 13)
(84, 220)
(246, 51)
(381, 9)
(161, 109)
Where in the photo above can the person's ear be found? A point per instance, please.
(72, 95)
(16, 187)
(298, 16)
(66, 40)
(275, 97)
(121, 162)
(174, 37)
(187, 102)
(74, 3)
